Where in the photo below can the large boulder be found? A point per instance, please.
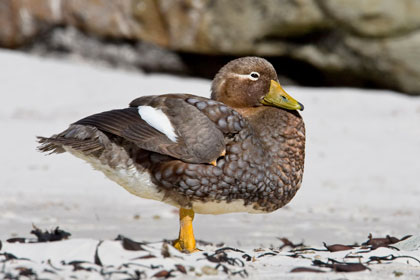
(349, 42)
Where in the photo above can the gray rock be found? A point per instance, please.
(374, 18)
(345, 42)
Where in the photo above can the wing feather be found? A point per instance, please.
(128, 124)
(199, 123)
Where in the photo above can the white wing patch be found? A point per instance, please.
(157, 119)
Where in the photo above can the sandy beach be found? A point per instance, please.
(361, 171)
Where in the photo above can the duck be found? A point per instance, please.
(241, 150)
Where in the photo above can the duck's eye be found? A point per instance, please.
(254, 76)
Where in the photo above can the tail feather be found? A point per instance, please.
(49, 145)
(84, 139)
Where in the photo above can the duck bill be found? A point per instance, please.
(279, 98)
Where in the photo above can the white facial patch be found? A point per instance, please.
(157, 119)
(253, 76)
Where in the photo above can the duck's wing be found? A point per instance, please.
(128, 124)
(226, 119)
(168, 125)
(186, 127)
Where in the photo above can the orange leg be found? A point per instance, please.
(186, 240)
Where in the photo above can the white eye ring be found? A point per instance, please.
(254, 76)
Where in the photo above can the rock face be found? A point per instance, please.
(349, 42)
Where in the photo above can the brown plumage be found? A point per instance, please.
(259, 149)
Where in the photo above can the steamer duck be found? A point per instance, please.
(240, 151)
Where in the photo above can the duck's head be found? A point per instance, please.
(251, 82)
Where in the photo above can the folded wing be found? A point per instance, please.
(186, 127)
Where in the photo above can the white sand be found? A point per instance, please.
(361, 172)
(262, 264)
